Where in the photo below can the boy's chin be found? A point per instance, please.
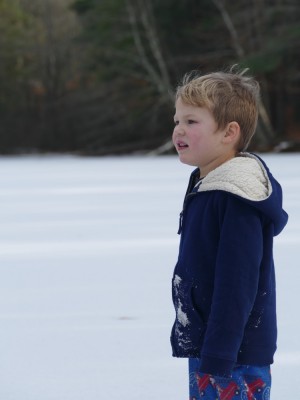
(186, 161)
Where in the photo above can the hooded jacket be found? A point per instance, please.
(224, 281)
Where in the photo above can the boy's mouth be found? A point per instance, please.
(181, 145)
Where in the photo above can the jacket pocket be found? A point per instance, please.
(188, 329)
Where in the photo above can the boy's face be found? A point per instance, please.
(197, 138)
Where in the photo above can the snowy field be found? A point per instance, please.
(87, 250)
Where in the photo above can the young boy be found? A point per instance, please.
(224, 280)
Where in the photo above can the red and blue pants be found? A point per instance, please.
(247, 382)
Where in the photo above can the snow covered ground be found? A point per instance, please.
(87, 250)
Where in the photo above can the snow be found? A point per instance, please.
(181, 316)
(87, 250)
(177, 281)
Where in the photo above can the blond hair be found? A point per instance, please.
(230, 96)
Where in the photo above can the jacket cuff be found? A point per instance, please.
(216, 366)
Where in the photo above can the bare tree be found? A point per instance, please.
(146, 40)
(268, 131)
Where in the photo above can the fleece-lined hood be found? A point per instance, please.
(247, 177)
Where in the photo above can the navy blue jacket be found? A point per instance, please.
(224, 281)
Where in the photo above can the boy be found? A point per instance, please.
(224, 281)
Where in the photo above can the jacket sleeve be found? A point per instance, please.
(238, 260)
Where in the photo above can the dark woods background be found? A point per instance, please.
(98, 76)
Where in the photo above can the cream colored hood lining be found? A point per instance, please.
(244, 176)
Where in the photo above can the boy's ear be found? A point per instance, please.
(232, 133)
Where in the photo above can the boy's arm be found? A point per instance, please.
(236, 281)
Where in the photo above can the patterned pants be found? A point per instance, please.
(246, 383)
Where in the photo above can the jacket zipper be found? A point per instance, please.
(180, 223)
(188, 193)
(188, 196)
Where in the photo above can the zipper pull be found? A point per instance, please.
(180, 223)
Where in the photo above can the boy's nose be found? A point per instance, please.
(179, 130)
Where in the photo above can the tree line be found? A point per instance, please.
(98, 76)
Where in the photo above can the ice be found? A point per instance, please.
(87, 250)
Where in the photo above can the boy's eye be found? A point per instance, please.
(176, 122)
(191, 121)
